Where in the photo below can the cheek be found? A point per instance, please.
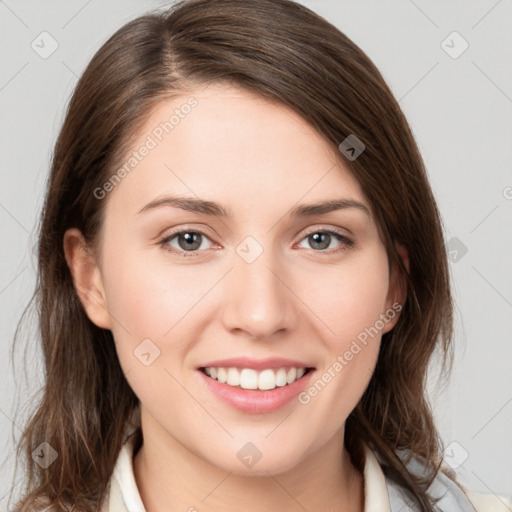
(156, 309)
(350, 305)
(351, 298)
(147, 297)
(146, 305)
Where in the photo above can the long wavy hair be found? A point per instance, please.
(282, 51)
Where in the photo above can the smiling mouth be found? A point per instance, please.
(248, 378)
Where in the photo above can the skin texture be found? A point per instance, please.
(260, 160)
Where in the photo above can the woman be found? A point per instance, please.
(242, 278)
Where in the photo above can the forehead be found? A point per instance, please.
(233, 146)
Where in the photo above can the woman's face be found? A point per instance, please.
(259, 283)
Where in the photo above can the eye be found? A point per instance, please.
(188, 242)
(321, 239)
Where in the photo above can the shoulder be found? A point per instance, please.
(488, 502)
(459, 494)
(446, 489)
(481, 502)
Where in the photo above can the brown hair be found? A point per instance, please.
(284, 52)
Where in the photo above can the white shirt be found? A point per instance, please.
(123, 495)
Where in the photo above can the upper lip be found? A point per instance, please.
(256, 364)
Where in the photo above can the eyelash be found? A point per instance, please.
(347, 241)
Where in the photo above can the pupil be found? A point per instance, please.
(189, 237)
(317, 239)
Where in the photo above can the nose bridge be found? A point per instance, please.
(258, 300)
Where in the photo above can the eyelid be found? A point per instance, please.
(345, 239)
(331, 229)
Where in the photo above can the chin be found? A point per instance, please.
(262, 467)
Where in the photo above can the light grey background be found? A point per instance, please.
(459, 109)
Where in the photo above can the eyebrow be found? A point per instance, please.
(195, 205)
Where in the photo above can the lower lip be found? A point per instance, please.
(257, 401)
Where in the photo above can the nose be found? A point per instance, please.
(259, 299)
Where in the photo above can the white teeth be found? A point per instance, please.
(291, 375)
(248, 378)
(222, 375)
(281, 377)
(267, 379)
(233, 377)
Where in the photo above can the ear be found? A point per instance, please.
(86, 277)
(397, 292)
